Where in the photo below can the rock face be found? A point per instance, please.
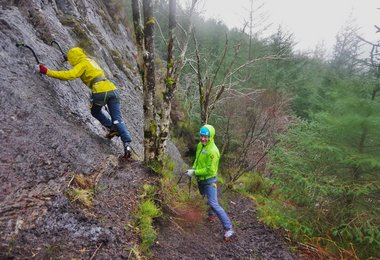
(47, 133)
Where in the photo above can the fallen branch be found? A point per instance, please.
(93, 255)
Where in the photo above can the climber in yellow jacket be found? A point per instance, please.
(104, 92)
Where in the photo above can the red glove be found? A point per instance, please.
(43, 69)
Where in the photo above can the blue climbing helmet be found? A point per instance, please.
(204, 131)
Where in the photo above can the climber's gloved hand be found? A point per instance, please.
(43, 69)
(190, 172)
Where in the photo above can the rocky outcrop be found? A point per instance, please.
(47, 133)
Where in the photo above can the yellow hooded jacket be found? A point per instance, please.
(85, 68)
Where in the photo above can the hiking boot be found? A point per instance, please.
(228, 234)
(127, 151)
(112, 133)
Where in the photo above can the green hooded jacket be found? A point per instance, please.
(85, 68)
(207, 158)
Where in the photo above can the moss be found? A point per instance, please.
(171, 63)
(151, 20)
(84, 41)
(169, 81)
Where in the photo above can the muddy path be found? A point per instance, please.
(204, 240)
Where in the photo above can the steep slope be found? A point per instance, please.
(48, 134)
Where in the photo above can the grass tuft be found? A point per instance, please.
(83, 196)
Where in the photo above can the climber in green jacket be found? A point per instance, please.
(104, 92)
(205, 169)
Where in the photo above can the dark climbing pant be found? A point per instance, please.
(113, 116)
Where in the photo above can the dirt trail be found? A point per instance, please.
(204, 240)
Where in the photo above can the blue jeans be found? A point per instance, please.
(113, 117)
(208, 188)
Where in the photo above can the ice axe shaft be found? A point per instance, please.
(59, 47)
(20, 44)
(180, 178)
(189, 186)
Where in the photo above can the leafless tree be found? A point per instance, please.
(174, 66)
(145, 47)
(253, 121)
(156, 134)
(210, 91)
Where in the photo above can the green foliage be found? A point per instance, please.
(364, 232)
(278, 215)
(149, 190)
(147, 211)
(326, 168)
(270, 207)
(255, 183)
(164, 168)
(83, 196)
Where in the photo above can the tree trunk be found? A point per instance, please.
(137, 25)
(170, 83)
(173, 69)
(139, 34)
(150, 127)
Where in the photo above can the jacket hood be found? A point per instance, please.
(212, 132)
(75, 55)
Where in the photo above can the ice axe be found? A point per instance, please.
(179, 180)
(59, 47)
(20, 44)
(189, 186)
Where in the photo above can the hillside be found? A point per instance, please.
(50, 142)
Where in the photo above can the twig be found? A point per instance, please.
(250, 210)
(181, 230)
(93, 255)
(72, 178)
(162, 35)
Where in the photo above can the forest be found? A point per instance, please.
(298, 131)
